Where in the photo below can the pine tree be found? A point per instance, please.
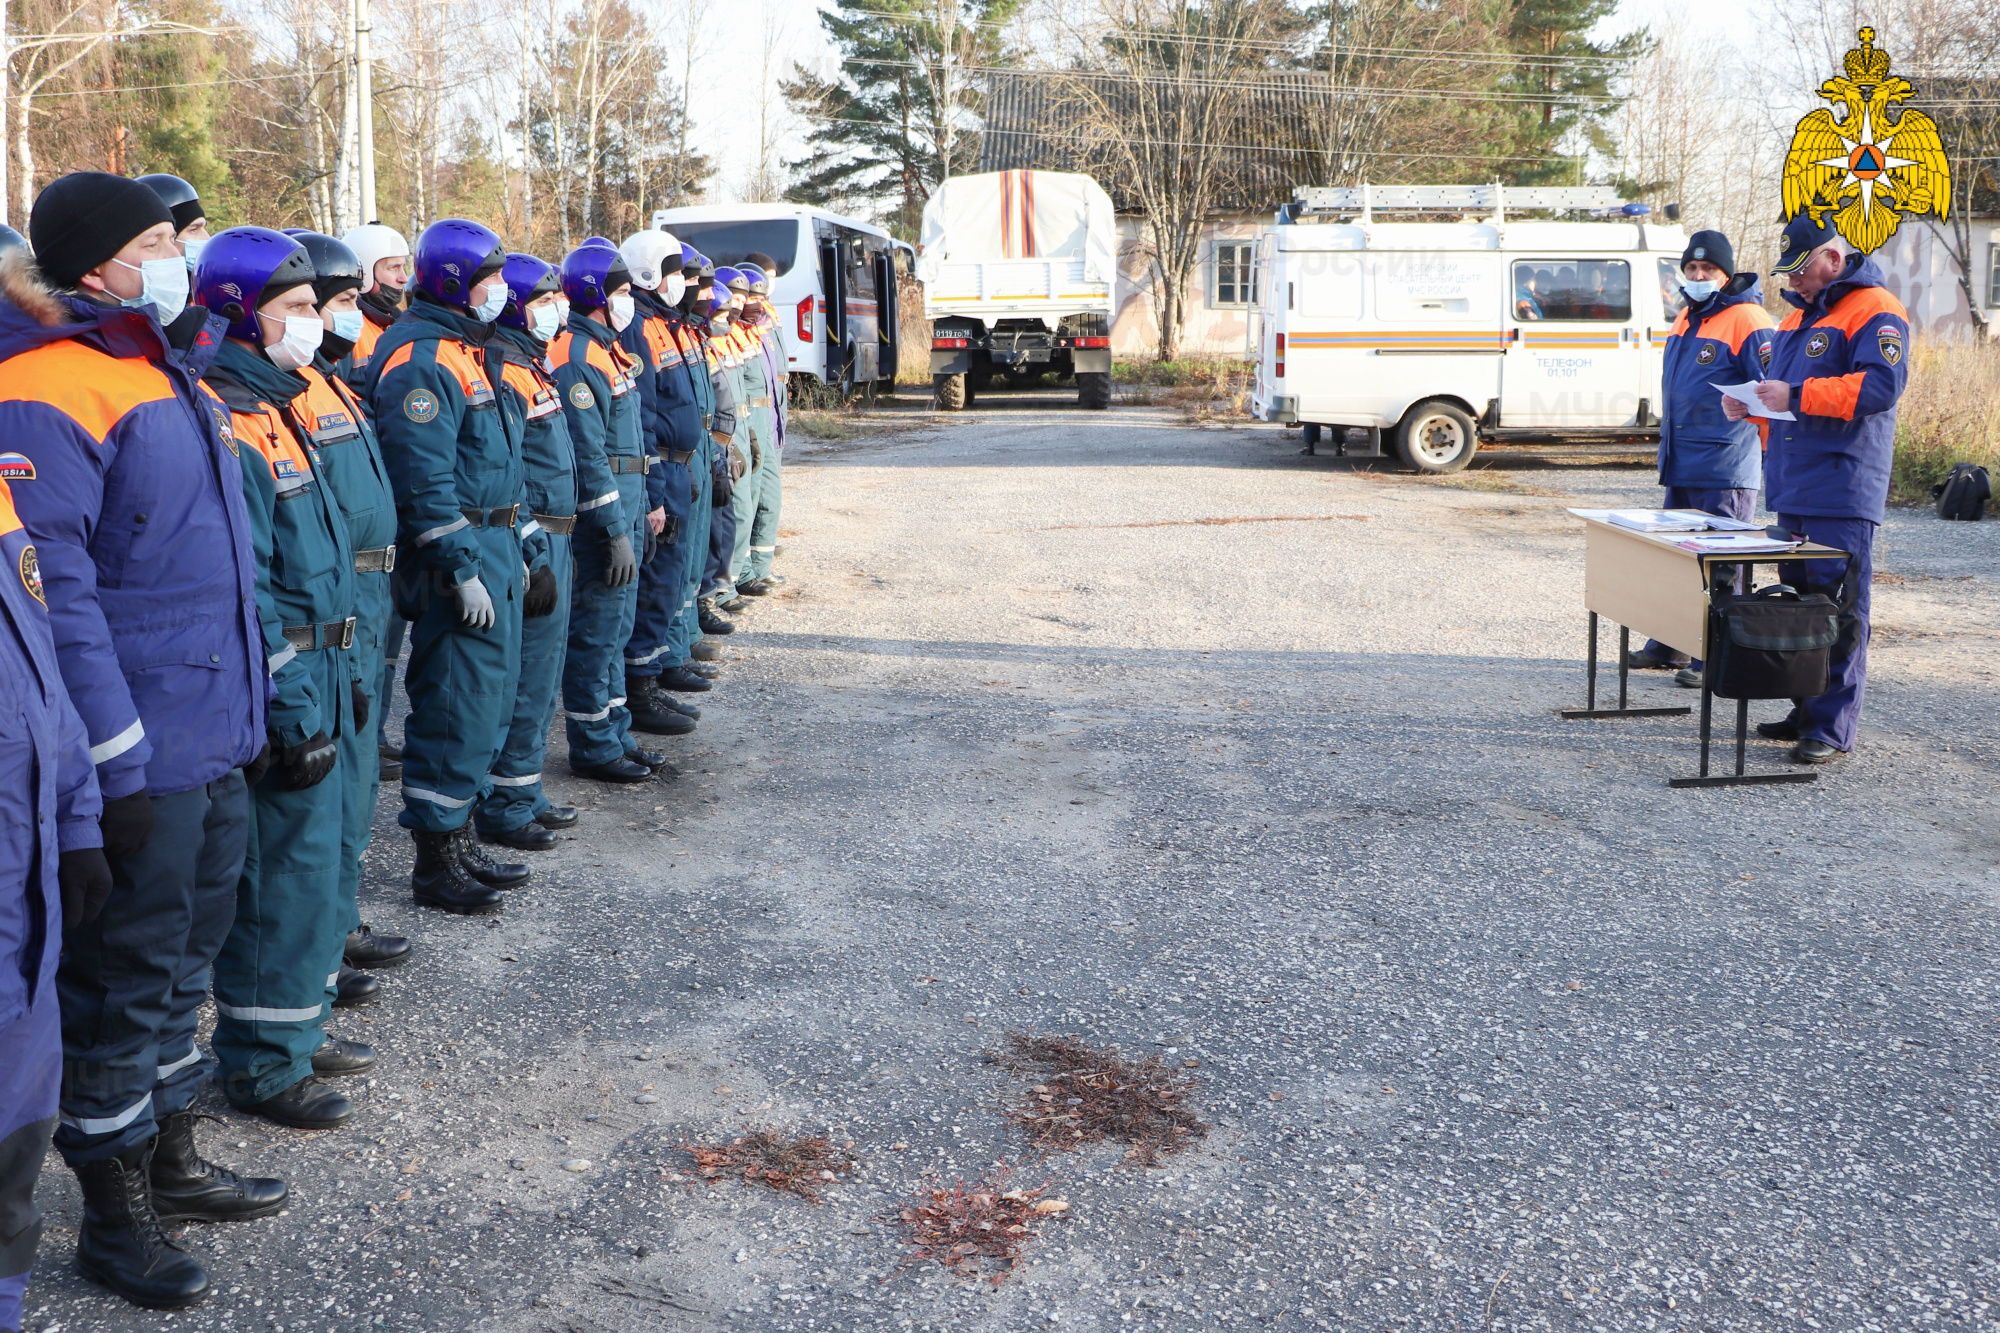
(1566, 81)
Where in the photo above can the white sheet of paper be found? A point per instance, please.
(1746, 394)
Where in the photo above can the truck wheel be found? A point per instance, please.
(1436, 436)
(1093, 389)
(949, 391)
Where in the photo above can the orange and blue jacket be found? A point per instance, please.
(1725, 339)
(545, 450)
(1846, 356)
(599, 384)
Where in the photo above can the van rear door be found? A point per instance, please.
(1574, 359)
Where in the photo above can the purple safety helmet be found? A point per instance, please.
(452, 257)
(244, 267)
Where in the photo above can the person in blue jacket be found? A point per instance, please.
(730, 431)
(1708, 461)
(519, 814)
(452, 440)
(598, 380)
(273, 975)
(144, 547)
(1839, 364)
(57, 876)
(653, 258)
(698, 615)
(351, 465)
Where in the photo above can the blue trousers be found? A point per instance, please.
(461, 682)
(600, 624)
(392, 652)
(1834, 717)
(517, 774)
(721, 546)
(30, 1072)
(686, 625)
(360, 766)
(276, 971)
(660, 581)
(132, 982)
(1729, 502)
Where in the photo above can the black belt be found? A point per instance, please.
(561, 526)
(491, 518)
(629, 464)
(681, 456)
(378, 560)
(311, 638)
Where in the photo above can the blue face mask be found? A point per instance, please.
(347, 324)
(1700, 291)
(548, 320)
(496, 300)
(191, 249)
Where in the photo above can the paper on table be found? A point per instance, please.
(1746, 394)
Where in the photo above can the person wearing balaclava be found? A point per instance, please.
(137, 505)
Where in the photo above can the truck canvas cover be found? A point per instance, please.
(1020, 215)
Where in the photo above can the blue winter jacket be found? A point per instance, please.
(1725, 339)
(546, 455)
(1846, 356)
(48, 792)
(137, 515)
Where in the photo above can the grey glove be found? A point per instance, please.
(475, 605)
(621, 566)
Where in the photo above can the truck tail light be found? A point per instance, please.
(1278, 369)
(951, 342)
(1090, 342)
(806, 308)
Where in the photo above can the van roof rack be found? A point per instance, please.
(1495, 198)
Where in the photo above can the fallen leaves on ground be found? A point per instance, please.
(762, 1157)
(977, 1230)
(1087, 1094)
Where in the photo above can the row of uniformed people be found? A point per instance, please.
(227, 506)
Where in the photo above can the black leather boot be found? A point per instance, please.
(365, 949)
(121, 1242)
(352, 989)
(683, 681)
(755, 588)
(307, 1104)
(188, 1188)
(440, 881)
(651, 713)
(337, 1056)
(492, 873)
(558, 816)
(652, 759)
(621, 770)
(704, 650)
(702, 669)
(713, 621)
(530, 837)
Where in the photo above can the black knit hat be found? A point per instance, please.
(84, 218)
(1712, 246)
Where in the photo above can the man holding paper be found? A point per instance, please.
(1708, 458)
(1839, 363)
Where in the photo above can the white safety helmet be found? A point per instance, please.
(373, 242)
(646, 254)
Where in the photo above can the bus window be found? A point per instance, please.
(1572, 289)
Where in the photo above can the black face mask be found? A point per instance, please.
(385, 302)
(333, 347)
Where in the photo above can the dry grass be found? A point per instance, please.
(976, 1230)
(1950, 413)
(790, 1166)
(1088, 1094)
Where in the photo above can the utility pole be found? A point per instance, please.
(364, 72)
(947, 44)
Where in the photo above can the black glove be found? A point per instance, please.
(254, 771)
(541, 596)
(127, 824)
(652, 546)
(360, 705)
(621, 566)
(725, 490)
(306, 765)
(85, 877)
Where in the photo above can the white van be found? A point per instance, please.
(833, 283)
(1433, 335)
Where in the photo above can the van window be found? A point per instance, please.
(732, 242)
(1672, 298)
(1572, 289)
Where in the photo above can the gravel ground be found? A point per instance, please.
(1494, 1031)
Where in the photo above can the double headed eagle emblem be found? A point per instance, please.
(1865, 169)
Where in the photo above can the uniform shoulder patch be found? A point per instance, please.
(31, 574)
(1889, 340)
(581, 397)
(420, 406)
(1764, 354)
(16, 467)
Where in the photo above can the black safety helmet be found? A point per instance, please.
(178, 196)
(336, 268)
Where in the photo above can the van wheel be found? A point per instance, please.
(1093, 389)
(1437, 436)
(949, 391)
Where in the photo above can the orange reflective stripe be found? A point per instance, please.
(1735, 324)
(93, 390)
(9, 520)
(399, 357)
(269, 434)
(534, 390)
(1859, 306)
(464, 367)
(1832, 395)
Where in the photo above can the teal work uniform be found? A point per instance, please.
(283, 951)
(598, 381)
(551, 470)
(768, 491)
(452, 442)
(685, 626)
(756, 439)
(351, 466)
